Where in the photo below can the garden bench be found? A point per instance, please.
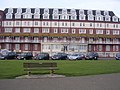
(29, 67)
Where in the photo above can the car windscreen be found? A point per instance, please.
(89, 53)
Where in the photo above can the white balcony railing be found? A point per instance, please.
(60, 41)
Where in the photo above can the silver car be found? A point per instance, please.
(75, 56)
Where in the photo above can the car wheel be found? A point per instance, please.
(95, 58)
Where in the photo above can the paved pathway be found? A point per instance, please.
(95, 82)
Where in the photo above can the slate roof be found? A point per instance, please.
(59, 10)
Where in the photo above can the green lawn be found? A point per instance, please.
(13, 68)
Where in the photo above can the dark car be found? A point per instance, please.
(117, 57)
(41, 56)
(59, 56)
(91, 56)
(10, 55)
(25, 56)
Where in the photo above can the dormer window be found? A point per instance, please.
(8, 16)
(28, 10)
(106, 13)
(46, 11)
(17, 16)
(73, 14)
(82, 17)
(73, 17)
(98, 12)
(89, 12)
(90, 17)
(64, 14)
(27, 16)
(10, 10)
(36, 16)
(107, 18)
(115, 19)
(64, 11)
(19, 10)
(99, 18)
(55, 16)
(37, 11)
(81, 12)
(55, 11)
(45, 16)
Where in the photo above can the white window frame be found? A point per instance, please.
(99, 18)
(18, 23)
(35, 46)
(17, 15)
(26, 46)
(73, 17)
(8, 30)
(55, 16)
(73, 31)
(45, 16)
(90, 17)
(7, 46)
(116, 32)
(64, 17)
(27, 15)
(17, 46)
(36, 16)
(36, 30)
(8, 16)
(99, 31)
(81, 17)
(107, 47)
(55, 30)
(45, 30)
(17, 30)
(90, 31)
(64, 30)
(26, 30)
(107, 18)
(107, 32)
(115, 19)
(36, 39)
(82, 31)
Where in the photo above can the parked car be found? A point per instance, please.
(117, 56)
(25, 56)
(41, 56)
(1, 57)
(76, 56)
(59, 56)
(91, 55)
(10, 55)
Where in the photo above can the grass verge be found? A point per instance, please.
(12, 68)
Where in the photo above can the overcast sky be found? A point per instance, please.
(112, 5)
